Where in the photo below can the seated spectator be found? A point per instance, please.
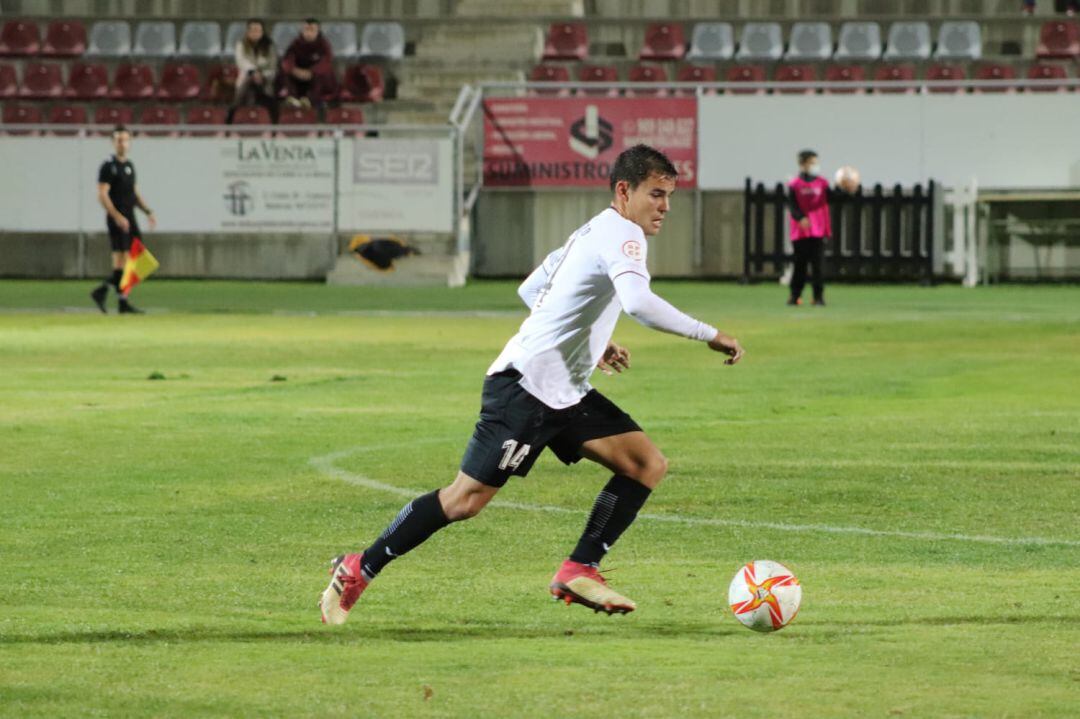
(256, 63)
(307, 68)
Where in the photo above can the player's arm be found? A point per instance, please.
(145, 208)
(640, 302)
(110, 208)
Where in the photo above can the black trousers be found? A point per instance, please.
(808, 251)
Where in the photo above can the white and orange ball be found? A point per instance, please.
(848, 179)
(764, 595)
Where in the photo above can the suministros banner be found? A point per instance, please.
(573, 142)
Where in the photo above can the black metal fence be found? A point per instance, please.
(875, 237)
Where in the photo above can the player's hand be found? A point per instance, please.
(727, 345)
(122, 223)
(151, 220)
(615, 359)
(805, 223)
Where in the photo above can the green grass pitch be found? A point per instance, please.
(911, 453)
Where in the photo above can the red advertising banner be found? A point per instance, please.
(573, 142)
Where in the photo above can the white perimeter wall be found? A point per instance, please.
(1025, 141)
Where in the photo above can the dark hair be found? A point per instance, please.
(262, 47)
(806, 155)
(637, 163)
(120, 128)
(311, 21)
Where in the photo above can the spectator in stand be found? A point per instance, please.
(1071, 7)
(307, 69)
(256, 63)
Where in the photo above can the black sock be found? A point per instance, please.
(417, 520)
(615, 509)
(114, 279)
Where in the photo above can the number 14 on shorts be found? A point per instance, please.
(513, 456)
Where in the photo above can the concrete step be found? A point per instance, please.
(532, 8)
(520, 42)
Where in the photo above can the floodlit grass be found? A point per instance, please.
(163, 541)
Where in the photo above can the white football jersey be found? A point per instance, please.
(574, 313)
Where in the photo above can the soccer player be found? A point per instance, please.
(537, 394)
(119, 195)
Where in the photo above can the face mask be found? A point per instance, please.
(814, 169)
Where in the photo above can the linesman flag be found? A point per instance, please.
(140, 265)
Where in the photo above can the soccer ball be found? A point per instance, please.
(764, 595)
(847, 179)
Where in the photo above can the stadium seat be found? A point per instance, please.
(711, 41)
(746, 73)
(234, 33)
(994, 71)
(160, 115)
(66, 115)
(298, 116)
(363, 83)
(566, 41)
(20, 38)
(283, 34)
(383, 39)
(695, 73)
(200, 39)
(959, 40)
(133, 81)
(64, 38)
(112, 115)
(251, 115)
(206, 115)
(647, 73)
(342, 37)
(796, 73)
(663, 41)
(859, 41)
(1060, 39)
(345, 116)
(9, 81)
(179, 81)
(221, 83)
(908, 41)
(940, 73)
(21, 115)
(109, 38)
(760, 41)
(1045, 71)
(895, 73)
(88, 81)
(154, 39)
(550, 73)
(844, 73)
(41, 81)
(598, 73)
(809, 41)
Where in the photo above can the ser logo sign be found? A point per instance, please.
(592, 134)
(396, 162)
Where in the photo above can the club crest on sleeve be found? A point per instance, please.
(632, 249)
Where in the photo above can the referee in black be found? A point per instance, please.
(119, 196)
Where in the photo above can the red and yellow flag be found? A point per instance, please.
(140, 265)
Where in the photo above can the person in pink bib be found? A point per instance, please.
(811, 225)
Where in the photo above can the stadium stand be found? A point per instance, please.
(342, 38)
(760, 41)
(205, 115)
(1045, 71)
(810, 41)
(179, 81)
(803, 73)
(1059, 39)
(20, 38)
(154, 39)
(647, 73)
(113, 115)
(21, 115)
(233, 34)
(345, 116)
(220, 83)
(383, 39)
(283, 34)
(746, 73)
(712, 41)
(959, 40)
(109, 38)
(200, 40)
(9, 81)
(908, 41)
(695, 73)
(994, 71)
(66, 115)
(566, 41)
(41, 81)
(844, 73)
(904, 72)
(160, 115)
(550, 73)
(133, 81)
(297, 116)
(64, 38)
(663, 41)
(251, 115)
(859, 41)
(88, 81)
(598, 73)
(941, 72)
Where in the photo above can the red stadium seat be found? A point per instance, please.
(206, 115)
(64, 38)
(132, 82)
(598, 73)
(550, 73)
(1045, 71)
(567, 41)
(21, 115)
(1059, 38)
(796, 73)
(942, 73)
(647, 73)
(345, 116)
(695, 73)
(895, 73)
(9, 81)
(298, 116)
(111, 115)
(41, 81)
(221, 83)
(20, 38)
(745, 73)
(88, 81)
(251, 115)
(179, 81)
(363, 83)
(160, 115)
(844, 73)
(66, 115)
(663, 41)
(994, 71)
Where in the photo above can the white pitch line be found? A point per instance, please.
(326, 465)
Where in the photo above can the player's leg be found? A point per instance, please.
(101, 292)
(798, 277)
(817, 253)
